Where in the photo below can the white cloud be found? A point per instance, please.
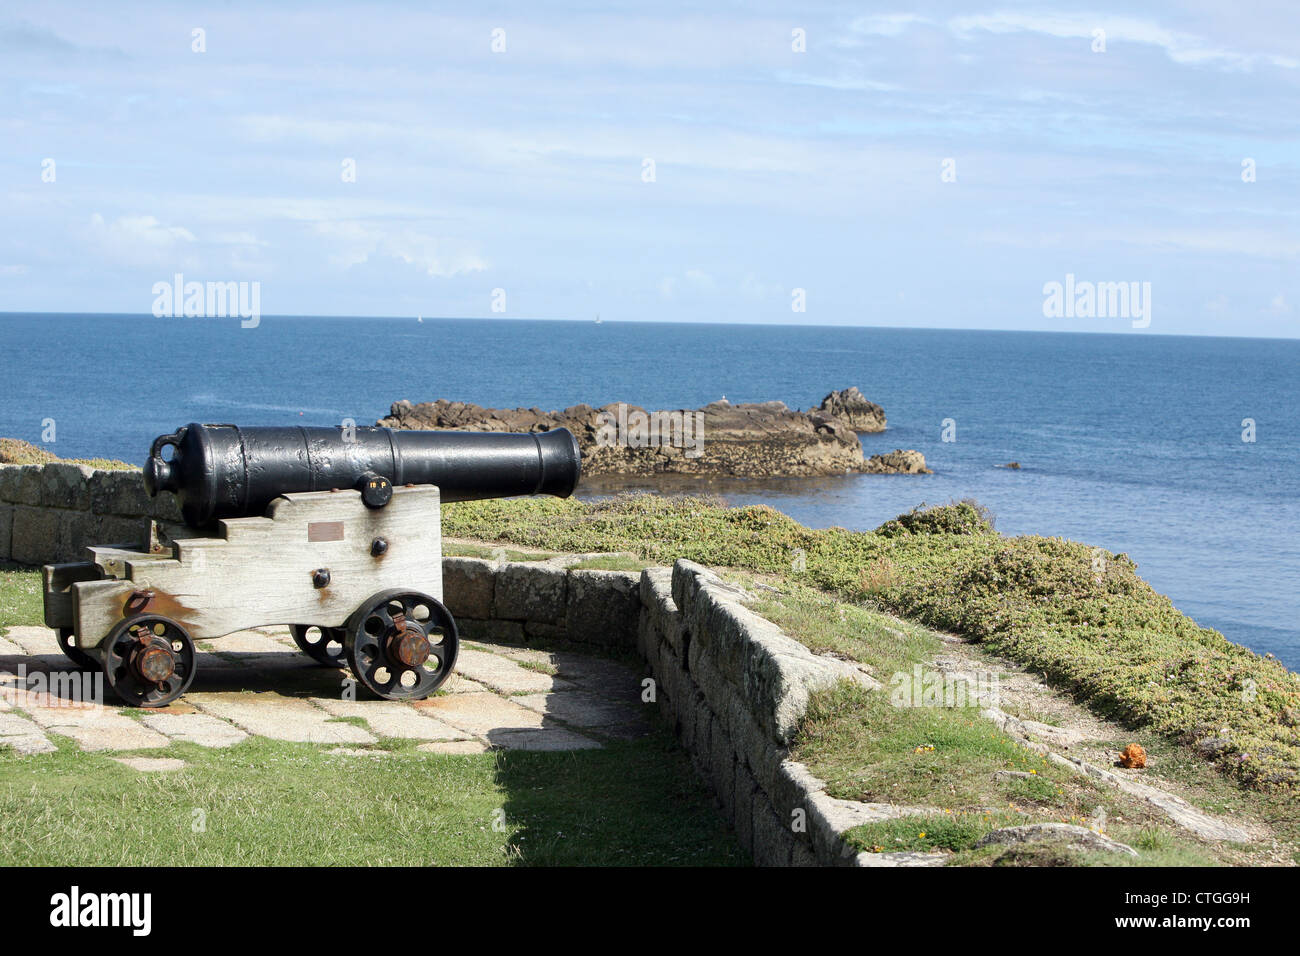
(357, 242)
(1179, 47)
(137, 240)
(1278, 305)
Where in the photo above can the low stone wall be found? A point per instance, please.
(731, 686)
(523, 602)
(52, 512)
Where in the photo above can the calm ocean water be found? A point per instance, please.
(1130, 442)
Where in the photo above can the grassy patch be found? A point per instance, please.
(271, 803)
(21, 600)
(541, 667)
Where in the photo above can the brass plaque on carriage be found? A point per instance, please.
(325, 531)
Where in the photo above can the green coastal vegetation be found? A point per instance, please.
(1219, 719)
(15, 451)
(1080, 616)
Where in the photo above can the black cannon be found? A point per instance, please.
(334, 532)
(224, 471)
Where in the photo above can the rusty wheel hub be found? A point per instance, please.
(153, 660)
(408, 643)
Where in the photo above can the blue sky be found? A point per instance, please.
(774, 170)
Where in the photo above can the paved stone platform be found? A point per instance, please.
(258, 684)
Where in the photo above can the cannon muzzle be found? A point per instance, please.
(224, 471)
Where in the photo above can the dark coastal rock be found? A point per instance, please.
(851, 407)
(897, 462)
(758, 440)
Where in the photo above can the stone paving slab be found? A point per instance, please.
(97, 728)
(257, 682)
(599, 675)
(549, 738)
(27, 744)
(35, 640)
(280, 718)
(194, 728)
(481, 713)
(249, 642)
(23, 736)
(502, 674)
(389, 718)
(280, 661)
(529, 654)
(582, 709)
(459, 684)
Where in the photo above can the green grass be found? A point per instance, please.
(867, 749)
(21, 600)
(1078, 615)
(271, 803)
(541, 667)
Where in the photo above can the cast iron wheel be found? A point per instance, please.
(401, 644)
(324, 645)
(67, 641)
(148, 660)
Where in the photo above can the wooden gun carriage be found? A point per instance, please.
(333, 532)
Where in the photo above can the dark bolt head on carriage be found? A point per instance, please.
(334, 532)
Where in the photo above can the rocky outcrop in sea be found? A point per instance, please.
(750, 440)
(851, 407)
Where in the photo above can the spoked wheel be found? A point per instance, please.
(324, 645)
(148, 660)
(67, 641)
(401, 644)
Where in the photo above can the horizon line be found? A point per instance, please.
(742, 324)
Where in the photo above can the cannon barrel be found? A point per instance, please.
(224, 471)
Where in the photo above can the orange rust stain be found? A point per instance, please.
(161, 603)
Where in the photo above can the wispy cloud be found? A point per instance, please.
(1180, 47)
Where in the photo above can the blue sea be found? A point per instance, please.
(1132, 442)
